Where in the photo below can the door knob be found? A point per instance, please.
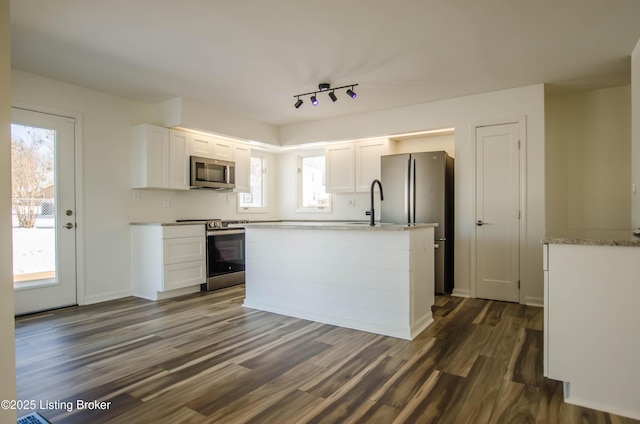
(479, 223)
(68, 225)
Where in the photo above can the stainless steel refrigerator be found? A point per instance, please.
(418, 188)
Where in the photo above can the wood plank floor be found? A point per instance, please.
(203, 358)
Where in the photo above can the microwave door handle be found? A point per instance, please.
(226, 174)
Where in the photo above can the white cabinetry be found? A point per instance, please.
(150, 157)
(339, 168)
(179, 166)
(351, 167)
(202, 145)
(209, 146)
(368, 161)
(167, 261)
(592, 324)
(161, 157)
(242, 158)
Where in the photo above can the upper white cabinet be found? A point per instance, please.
(368, 155)
(350, 167)
(223, 149)
(209, 146)
(202, 145)
(150, 157)
(340, 168)
(179, 161)
(242, 158)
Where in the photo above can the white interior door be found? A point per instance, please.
(44, 210)
(498, 212)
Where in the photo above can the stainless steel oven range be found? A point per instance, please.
(225, 255)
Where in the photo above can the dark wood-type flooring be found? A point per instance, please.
(203, 358)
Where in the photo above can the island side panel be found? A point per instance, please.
(354, 279)
(422, 279)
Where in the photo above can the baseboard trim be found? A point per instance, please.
(534, 301)
(461, 293)
(88, 300)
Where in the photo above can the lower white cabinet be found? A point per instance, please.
(167, 260)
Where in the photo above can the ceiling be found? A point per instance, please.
(251, 57)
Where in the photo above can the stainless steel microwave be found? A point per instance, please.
(212, 173)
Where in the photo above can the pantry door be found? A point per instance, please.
(43, 210)
(498, 212)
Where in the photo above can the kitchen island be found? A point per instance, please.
(592, 320)
(372, 278)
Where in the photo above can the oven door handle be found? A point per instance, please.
(225, 232)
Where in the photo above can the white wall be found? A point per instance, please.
(635, 134)
(588, 139)
(462, 114)
(107, 206)
(7, 325)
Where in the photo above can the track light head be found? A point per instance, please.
(314, 101)
(332, 96)
(351, 93)
(324, 86)
(298, 103)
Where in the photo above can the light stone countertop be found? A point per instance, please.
(334, 225)
(169, 223)
(592, 237)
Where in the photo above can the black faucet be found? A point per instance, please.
(371, 212)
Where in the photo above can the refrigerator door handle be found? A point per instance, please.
(407, 193)
(413, 192)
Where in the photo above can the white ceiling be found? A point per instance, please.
(251, 57)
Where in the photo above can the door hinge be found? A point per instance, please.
(518, 144)
(519, 214)
(518, 284)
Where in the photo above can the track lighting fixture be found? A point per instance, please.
(322, 87)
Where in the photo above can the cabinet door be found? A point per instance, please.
(242, 158)
(150, 157)
(179, 162)
(339, 168)
(223, 149)
(202, 145)
(368, 161)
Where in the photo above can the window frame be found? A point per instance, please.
(265, 204)
(310, 209)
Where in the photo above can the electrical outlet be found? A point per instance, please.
(166, 203)
(136, 195)
(351, 202)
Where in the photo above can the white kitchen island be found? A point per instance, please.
(378, 279)
(592, 320)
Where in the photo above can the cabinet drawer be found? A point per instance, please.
(185, 274)
(185, 249)
(174, 231)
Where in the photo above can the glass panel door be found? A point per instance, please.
(43, 208)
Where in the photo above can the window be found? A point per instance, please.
(256, 199)
(311, 183)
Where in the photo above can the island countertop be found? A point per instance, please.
(592, 237)
(335, 225)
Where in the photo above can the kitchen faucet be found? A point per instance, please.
(371, 212)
